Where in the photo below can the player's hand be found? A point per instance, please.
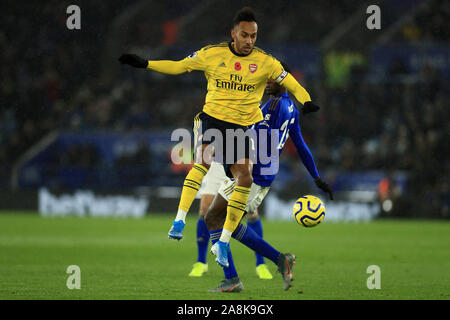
(133, 60)
(309, 107)
(324, 186)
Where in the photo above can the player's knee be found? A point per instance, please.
(204, 156)
(242, 173)
(245, 179)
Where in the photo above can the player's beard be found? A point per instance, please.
(244, 49)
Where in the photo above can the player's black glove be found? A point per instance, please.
(309, 107)
(324, 186)
(133, 60)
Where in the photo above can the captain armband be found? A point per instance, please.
(281, 76)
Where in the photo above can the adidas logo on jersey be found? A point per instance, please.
(222, 65)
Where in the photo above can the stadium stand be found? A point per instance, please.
(53, 80)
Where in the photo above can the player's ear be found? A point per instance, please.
(233, 33)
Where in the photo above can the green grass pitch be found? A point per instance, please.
(133, 259)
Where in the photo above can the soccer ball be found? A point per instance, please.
(309, 211)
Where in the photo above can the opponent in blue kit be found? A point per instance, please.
(280, 117)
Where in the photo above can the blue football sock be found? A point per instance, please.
(202, 239)
(256, 225)
(229, 272)
(251, 239)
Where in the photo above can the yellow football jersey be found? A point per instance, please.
(236, 83)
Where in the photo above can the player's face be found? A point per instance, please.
(244, 36)
(272, 87)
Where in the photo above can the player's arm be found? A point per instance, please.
(195, 61)
(299, 92)
(307, 158)
(286, 79)
(167, 66)
(303, 150)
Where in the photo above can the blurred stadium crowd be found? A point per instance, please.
(56, 79)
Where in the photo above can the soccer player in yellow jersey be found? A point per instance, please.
(237, 73)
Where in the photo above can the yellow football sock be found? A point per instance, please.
(191, 185)
(236, 207)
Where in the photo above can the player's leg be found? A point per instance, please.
(252, 240)
(241, 170)
(214, 220)
(231, 283)
(210, 187)
(201, 266)
(202, 229)
(189, 191)
(236, 206)
(254, 222)
(193, 180)
(215, 215)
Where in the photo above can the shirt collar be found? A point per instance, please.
(230, 46)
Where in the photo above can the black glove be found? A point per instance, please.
(309, 107)
(324, 186)
(133, 60)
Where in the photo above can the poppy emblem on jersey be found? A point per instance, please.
(252, 67)
(237, 66)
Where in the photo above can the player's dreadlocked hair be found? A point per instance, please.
(244, 14)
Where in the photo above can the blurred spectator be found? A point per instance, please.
(83, 156)
(342, 68)
(135, 165)
(52, 79)
(429, 25)
(136, 156)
